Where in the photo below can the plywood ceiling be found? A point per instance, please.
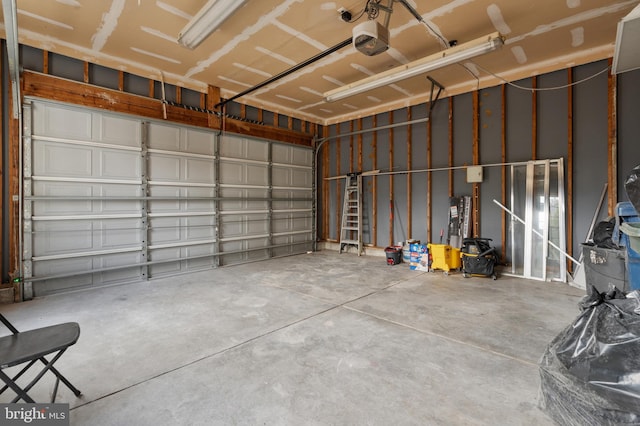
(266, 37)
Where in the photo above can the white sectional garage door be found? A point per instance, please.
(111, 199)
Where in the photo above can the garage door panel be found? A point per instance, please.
(119, 233)
(231, 226)
(58, 285)
(118, 190)
(119, 276)
(294, 244)
(116, 130)
(200, 192)
(165, 268)
(245, 199)
(302, 223)
(198, 170)
(58, 160)
(65, 207)
(291, 177)
(195, 206)
(119, 164)
(200, 262)
(256, 174)
(163, 167)
(235, 173)
(62, 237)
(292, 155)
(234, 226)
(302, 178)
(60, 266)
(200, 205)
(292, 222)
(164, 137)
(43, 209)
(243, 148)
(281, 176)
(115, 206)
(164, 205)
(61, 121)
(256, 225)
(255, 243)
(200, 227)
(302, 157)
(281, 222)
(199, 142)
(164, 230)
(292, 199)
(245, 254)
(125, 274)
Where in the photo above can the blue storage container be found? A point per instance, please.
(625, 212)
(631, 231)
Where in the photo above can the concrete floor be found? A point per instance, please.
(313, 339)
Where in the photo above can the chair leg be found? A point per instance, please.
(17, 376)
(22, 394)
(55, 390)
(60, 377)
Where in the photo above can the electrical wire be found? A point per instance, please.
(360, 14)
(443, 40)
(540, 89)
(477, 77)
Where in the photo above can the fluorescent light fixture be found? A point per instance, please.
(207, 20)
(627, 52)
(436, 61)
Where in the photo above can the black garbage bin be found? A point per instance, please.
(394, 255)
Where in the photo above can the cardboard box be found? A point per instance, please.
(419, 262)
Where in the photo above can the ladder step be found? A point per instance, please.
(350, 228)
(349, 242)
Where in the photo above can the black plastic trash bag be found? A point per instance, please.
(590, 372)
(632, 187)
(603, 234)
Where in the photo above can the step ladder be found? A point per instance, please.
(351, 229)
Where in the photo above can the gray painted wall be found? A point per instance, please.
(439, 159)
(490, 109)
(589, 147)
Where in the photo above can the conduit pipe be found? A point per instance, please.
(9, 10)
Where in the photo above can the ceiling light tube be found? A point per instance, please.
(436, 61)
(207, 20)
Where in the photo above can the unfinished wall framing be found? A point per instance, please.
(583, 124)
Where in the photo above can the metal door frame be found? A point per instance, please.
(528, 218)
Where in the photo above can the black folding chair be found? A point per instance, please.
(30, 347)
